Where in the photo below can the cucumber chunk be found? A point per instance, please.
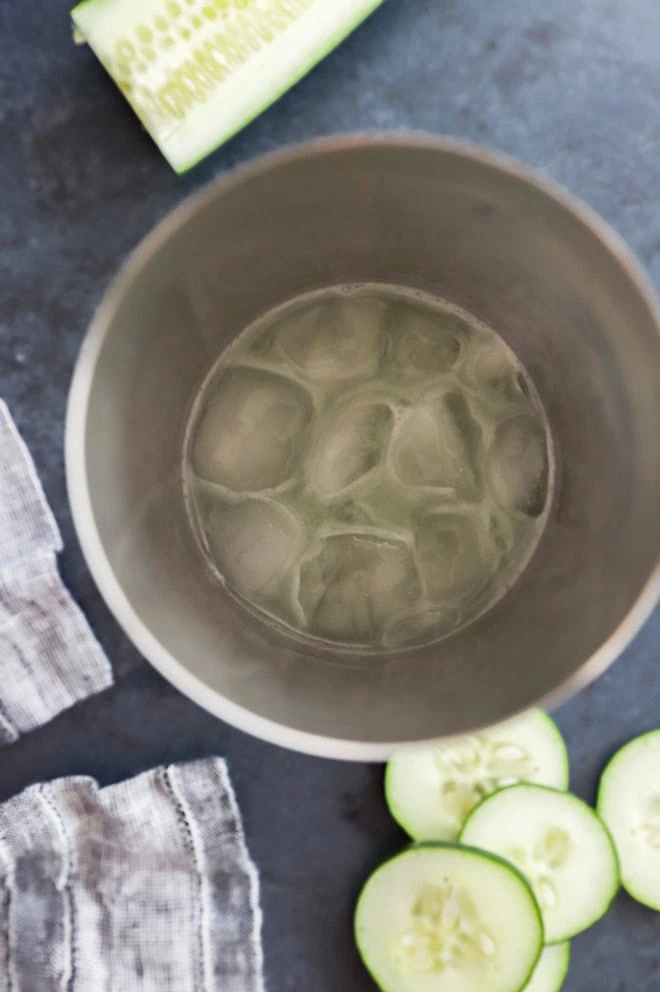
(440, 918)
(196, 71)
(551, 970)
(430, 792)
(560, 845)
(629, 803)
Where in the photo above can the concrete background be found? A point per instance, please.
(570, 86)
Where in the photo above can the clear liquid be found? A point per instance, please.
(368, 466)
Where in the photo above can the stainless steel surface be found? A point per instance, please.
(446, 218)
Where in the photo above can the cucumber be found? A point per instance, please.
(629, 803)
(430, 792)
(562, 847)
(441, 918)
(196, 71)
(551, 970)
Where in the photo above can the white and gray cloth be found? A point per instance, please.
(48, 655)
(143, 886)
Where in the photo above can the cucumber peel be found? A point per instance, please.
(430, 792)
(197, 71)
(629, 803)
(443, 918)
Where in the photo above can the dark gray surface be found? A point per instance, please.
(570, 86)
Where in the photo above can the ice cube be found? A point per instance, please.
(455, 555)
(335, 340)
(254, 544)
(421, 625)
(353, 583)
(491, 366)
(439, 445)
(252, 431)
(517, 465)
(349, 446)
(423, 344)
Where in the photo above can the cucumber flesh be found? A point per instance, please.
(629, 803)
(551, 970)
(560, 845)
(196, 71)
(430, 792)
(439, 918)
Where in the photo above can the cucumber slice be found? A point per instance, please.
(560, 845)
(551, 970)
(629, 803)
(196, 71)
(441, 918)
(431, 792)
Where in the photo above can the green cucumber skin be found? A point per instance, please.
(617, 879)
(400, 818)
(602, 787)
(463, 848)
(333, 43)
